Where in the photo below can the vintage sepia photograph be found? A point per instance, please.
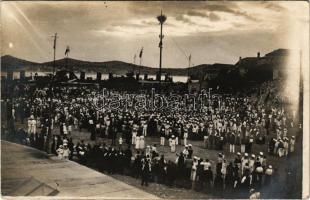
(154, 99)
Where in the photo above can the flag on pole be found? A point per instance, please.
(67, 50)
(141, 52)
(190, 57)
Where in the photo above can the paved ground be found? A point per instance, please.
(27, 171)
(279, 164)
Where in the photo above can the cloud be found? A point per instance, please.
(196, 13)
(230, 8)
(214, 17)
(211, 15)
(184, 19)
(274, 6)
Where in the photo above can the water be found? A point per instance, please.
(93, 75)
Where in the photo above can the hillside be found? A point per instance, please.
(115, 67)
(15, 64)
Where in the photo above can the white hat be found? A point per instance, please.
(253, 156)
(239, 154)
(261, 153)
(270, 167)
(246, 154)
(190, 145)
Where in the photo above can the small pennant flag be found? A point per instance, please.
(141, 52)
(67, 50)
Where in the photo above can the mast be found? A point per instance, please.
(161, 18)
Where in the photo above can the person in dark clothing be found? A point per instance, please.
(137, 166)
(245, 185)
(161, 169)
(170, 173)
(190, 151)
(128, 155)
(218, 168)
(218, 185)
(71, 148)
(208, 179)
(271, 146)
(200, 175)
(92, 131)
(229, 179)
(146, 170)
(181, 168)
(113, 134)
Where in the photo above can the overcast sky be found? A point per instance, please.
(212, 32)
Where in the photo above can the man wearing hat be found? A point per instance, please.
(271, 146)
(194, 170)
(29, 125)
(172, 144)
(33, 125)
(185, 136)
(261, 157)
(251, 163)
(162, 136)
(292, 144)
(66, 151)
(134, 134)
(60, 152)
(238, 160)
(244, 161)
(185, 151)
(268, 175)
(281, 148)
(254, 194)
(142, 142)
(286, 146)
(232, 142)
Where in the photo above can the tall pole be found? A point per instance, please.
(140, 65)
(189, 65)
(54, 63)
(160, 53)
(67, 57)
(134, 63)
(49, 132)
(161, 18)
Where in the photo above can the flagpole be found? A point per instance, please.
(161, 18)
(49, 132)
(134, 63)
(140, 56)
(140, 65)
(189, 65)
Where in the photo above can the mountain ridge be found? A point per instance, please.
(9, 62)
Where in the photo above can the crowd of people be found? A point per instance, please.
(237, 121)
